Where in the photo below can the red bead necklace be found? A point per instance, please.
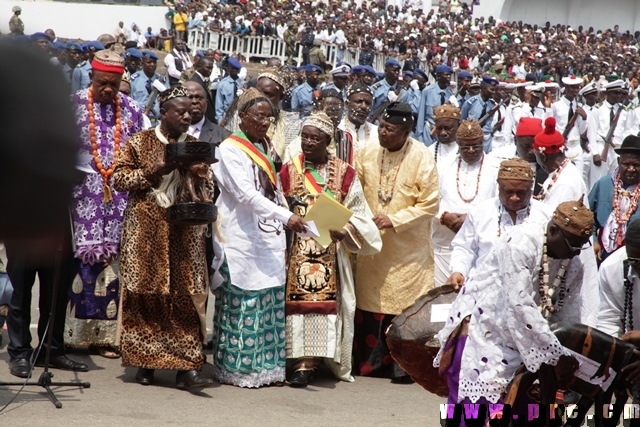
(106, 173)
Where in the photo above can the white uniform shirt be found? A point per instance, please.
(560, 111)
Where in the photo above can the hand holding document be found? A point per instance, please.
(327, 214)
(310, 231)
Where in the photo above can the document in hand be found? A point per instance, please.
(327, 214)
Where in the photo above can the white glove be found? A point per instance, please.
(392, 97)
(239, 91)
(414, 85)
(158, 85)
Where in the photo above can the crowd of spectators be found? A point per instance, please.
(448, 34)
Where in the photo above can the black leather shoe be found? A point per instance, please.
(145, 376)
(19, 367)
(186, 380)
(301, 378)
(63, 363)
(405, 379)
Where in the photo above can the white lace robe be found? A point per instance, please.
(506, 328)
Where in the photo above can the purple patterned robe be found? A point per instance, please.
(94, 297)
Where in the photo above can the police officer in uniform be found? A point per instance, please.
(302, 97)
(227, 89)
(340, 76)
(74, 57)
(132, 60)
(81, 79)
(478, 106)
(385, 90)
(142, 85)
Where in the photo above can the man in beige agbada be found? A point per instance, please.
(400, 183)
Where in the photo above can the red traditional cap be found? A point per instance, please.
(549, 141)
(529, 126)
(108, 61)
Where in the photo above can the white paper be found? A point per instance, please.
(310, 231)
(439, 312)
(588, 368)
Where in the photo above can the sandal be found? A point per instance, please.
(106, 352)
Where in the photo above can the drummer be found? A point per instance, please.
(495, 324)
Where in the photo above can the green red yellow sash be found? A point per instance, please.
(259, 157)
(312, 178)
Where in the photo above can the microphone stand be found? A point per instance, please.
(45, 378)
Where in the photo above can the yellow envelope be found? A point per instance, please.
(327, 214)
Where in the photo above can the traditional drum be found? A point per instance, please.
(411, 337)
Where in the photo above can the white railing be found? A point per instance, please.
(269, 47)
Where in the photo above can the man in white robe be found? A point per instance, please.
(473, 182)
(495, 323)
(486, 223)
(445, 149)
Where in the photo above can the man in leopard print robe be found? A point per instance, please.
(163, 265)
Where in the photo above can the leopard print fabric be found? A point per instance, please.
(162, 266)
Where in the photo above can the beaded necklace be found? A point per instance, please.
(436, 151)
(623, 218)
(386, 197)
(106, 173)
(547, 306)
(627, 314)
(477, 181)
(545, 191)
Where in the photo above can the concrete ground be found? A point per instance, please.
(115, 399)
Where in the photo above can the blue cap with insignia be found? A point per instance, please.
(465, 75)
(341, 69)
(200, 54)
(132, 52)
(59, 45)
(407, 73)
(418, 71)
(85, 46)
(488, 80)
(341, 63)
(234, 63)
(444, 69)
(93, 46)
(369, 69)
(358, 69)
(391, 63)
(312, 68)
(74, 46)
(147, 54)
